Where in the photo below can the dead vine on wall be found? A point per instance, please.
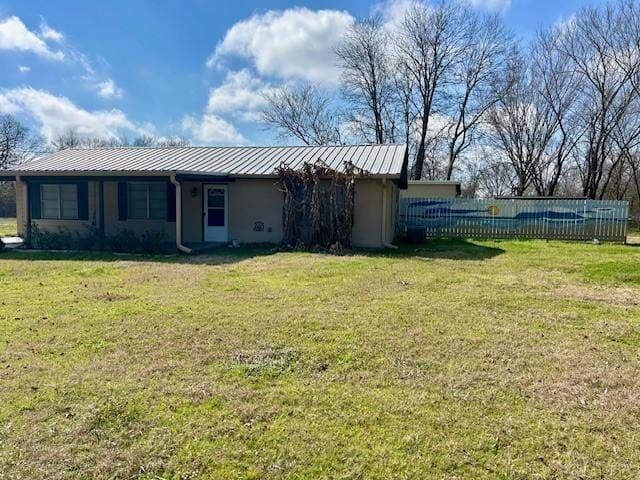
(318, 204)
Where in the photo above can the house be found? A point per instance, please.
(196, 195)
(431, 188)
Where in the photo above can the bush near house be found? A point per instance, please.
(450, 359)
(124, 241)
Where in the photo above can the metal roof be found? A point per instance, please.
(376, 160)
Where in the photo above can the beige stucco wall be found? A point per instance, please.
(192, 219)
(112, 224)
(258, 200)
(81, 227)
(368, 224)
(250, 201)
(429, 190)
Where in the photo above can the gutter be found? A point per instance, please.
(181, 247)
(383, 230)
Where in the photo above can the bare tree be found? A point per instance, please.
(428, 45)
(304, 113)
(476, 83)
(70, 138)
(367, 80)
(17, 143)
(403, 102)
(557, 85)
(522, 124)
(495, 176)
(601, 44)
(154, 141)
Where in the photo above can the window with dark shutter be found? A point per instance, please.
(146, 200)
(59, 201)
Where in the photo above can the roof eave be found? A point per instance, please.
(156, 173)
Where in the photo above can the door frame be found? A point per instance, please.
(205, 195)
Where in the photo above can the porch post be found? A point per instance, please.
(25, 200)
(101, 212)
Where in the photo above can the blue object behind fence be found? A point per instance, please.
(516, 218)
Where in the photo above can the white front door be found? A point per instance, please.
(216, 213)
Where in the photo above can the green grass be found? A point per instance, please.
(8, 227)
(451, 359)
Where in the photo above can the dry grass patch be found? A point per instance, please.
(451, 360)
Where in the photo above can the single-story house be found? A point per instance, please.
(432, 189)
(196, 195)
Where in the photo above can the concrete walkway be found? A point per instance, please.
(11, 242)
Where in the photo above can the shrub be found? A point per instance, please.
(62, 239)
(125, 240)
(153, 242)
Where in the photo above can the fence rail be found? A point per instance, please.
(516, 218)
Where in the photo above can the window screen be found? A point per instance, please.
(68, 201)
(157, 200)
(59, 201)
(147, 200)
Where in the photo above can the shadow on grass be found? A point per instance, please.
(456, 249)
(218, 256)
(447, 248)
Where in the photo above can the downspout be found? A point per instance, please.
(179, 243)
(383, 232)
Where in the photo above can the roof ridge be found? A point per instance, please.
(169, 147)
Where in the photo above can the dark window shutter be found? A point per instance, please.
(171, 202)
(83, 201)
(34, 200)
(122, 200)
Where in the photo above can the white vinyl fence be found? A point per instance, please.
(516, 218)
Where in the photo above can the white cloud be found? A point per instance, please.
(49, 33)
(56, 114)
(393, 12)
(211, 128)
(15, 36)
(109, 90)
(24, 69)
(492, 5)
(241, 93)
(293, 43)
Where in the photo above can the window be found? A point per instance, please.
(147, 200)
(59, 201)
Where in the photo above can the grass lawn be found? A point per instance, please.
(8, 227)
(453, 359)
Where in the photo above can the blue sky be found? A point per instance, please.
(196, 68)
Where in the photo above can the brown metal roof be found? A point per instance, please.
(377, 160)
